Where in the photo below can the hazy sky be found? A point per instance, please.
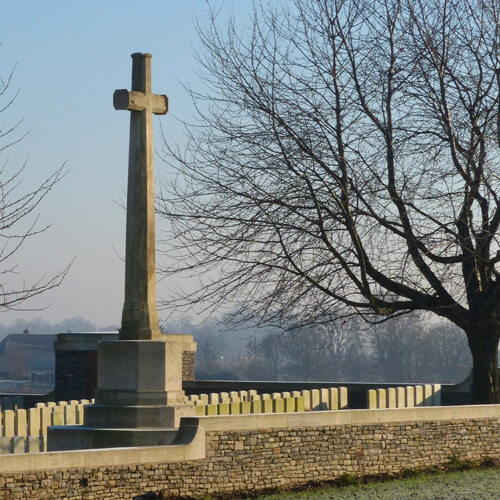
(70, 58)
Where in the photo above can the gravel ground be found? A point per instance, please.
(468, 485)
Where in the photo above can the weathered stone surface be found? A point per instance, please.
(391, 397)
(334, 398)
(267, 406)
(278, 405)
(315, 399)
(419, 395)
(381, 398)
(245, 407)
(142, 372)
(8, 423)
(410, 396)
(400, 397)
(57, 415)
(5, 445)
(427, 395)
(18, 444)
(371, 399)
(324, 399)
(343, 398)
(223, 409)
(140, 316)
(33, 444)
(34, 420)
(256, 406)
(20, 419)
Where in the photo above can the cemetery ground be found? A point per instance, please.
(466, 484)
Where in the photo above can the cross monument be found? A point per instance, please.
(140, 316)
(139, 399)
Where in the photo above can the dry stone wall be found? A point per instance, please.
(287, 455)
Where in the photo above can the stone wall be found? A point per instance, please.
(262, 452)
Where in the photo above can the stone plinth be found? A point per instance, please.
(136, 372)
(139, 396)
(76, 364)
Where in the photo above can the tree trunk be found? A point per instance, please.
(483, 343)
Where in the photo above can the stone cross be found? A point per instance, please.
(140, 316)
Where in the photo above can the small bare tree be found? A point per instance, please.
(18, 216)
(347, 162)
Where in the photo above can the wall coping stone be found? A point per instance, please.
(188, 445)
(343, 417)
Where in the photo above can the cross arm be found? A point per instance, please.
(133, 100)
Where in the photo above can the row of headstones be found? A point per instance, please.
(247, 402)
(405, 396)
(26, 430)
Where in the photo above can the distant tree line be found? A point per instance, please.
(401, 350)
(404, 349)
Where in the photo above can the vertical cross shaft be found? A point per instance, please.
(140, 316)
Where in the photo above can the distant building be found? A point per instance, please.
(29, 358)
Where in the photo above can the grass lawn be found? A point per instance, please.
(465, 485)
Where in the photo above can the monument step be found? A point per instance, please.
(119, 397)
(79, 437)
(153, 416)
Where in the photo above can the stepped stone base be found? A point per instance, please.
(79, 437)
(119, 426)
(136, 416)
(139, 396)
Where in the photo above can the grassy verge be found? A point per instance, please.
(458, 482)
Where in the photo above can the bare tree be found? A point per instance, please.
(343, 350)
(447, 358)
(347, 162)
(18, 216)
(395, 346)
(267, 356)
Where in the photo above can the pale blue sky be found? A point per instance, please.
(70, 58)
